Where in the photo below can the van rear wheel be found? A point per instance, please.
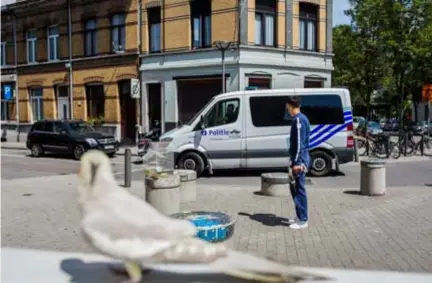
(191, 161)
(321, 163)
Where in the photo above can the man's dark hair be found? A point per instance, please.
(294, 101)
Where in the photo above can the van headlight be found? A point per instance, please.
(91, 142)
(167, 139)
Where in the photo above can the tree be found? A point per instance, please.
(367, 27)
(345, 61)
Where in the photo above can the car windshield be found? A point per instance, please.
(374, 125)
(81, 127)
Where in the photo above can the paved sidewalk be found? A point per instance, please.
(346, 230)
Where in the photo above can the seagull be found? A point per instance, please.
(126, 228)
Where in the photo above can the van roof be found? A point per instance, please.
(281, 91)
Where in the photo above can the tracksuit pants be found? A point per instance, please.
(298, 193)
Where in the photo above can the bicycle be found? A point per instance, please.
(397, 148)
(373, 145)
(426, 142)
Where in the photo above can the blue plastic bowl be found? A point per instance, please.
(212, 226)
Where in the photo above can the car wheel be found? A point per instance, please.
(78, 151)
(321, 163)
(36, 150)
(191, 161)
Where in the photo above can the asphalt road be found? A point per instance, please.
(17, 164)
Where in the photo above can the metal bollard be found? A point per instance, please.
(128, 168)
(356, 155)
(422, 144)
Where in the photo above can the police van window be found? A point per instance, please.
(322, 109)
(222, 113)
(270, 111)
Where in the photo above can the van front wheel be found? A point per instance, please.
(191, 161)
(321, 163)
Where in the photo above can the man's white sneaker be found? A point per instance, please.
(299, 225)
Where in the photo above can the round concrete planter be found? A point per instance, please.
(188, 185)
(164, 193)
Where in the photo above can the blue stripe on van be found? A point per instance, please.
(322, 133)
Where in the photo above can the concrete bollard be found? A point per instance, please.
(372, 177)
(275, 184)
(164, 193)
(188, 185)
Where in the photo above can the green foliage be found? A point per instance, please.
(387, 49)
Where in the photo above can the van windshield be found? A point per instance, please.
(199, 112)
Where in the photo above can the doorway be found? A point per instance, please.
(127, 113)
(63, 106)
(154, 104)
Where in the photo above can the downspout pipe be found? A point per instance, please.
(70, 59)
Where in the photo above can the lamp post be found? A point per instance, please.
(223, 46)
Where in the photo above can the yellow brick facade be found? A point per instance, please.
(176, 35)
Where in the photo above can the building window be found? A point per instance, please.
(95, 101)
(53, 43)
(118, 32)
(201, 23)
(154, 19)
(3, 53)
(313, 84)
(90, 38)
(36, 98)
(31, 46)
(265, 22)
(308, 26)
(259, 82)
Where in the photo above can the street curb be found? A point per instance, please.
(23, 148)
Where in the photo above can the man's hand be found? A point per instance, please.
(297, 169)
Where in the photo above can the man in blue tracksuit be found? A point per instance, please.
(300, 160)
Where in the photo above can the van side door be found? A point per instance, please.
(267, 131)
(222, 134)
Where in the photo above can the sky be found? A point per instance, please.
(338, 11)
(339, 6)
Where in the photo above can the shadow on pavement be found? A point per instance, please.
(428, 185)
(267, 219)
(356, 193)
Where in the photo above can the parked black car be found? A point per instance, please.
(68, 137)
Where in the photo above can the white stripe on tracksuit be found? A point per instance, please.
(298, 140)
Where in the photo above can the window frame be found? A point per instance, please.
(263, 11)
(55, 38)
(93, 38)
(121, 26)
(202, 12)
(154, 17)
(39, 101)
(269, 78)
(3, 54)
(306, 16)
(33, 41)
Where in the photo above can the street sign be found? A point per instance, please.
(7, 92)
(135, 88)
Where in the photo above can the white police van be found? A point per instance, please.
(250, 129)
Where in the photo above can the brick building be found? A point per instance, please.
(171, 43)
(276, 44)
(103, 59)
